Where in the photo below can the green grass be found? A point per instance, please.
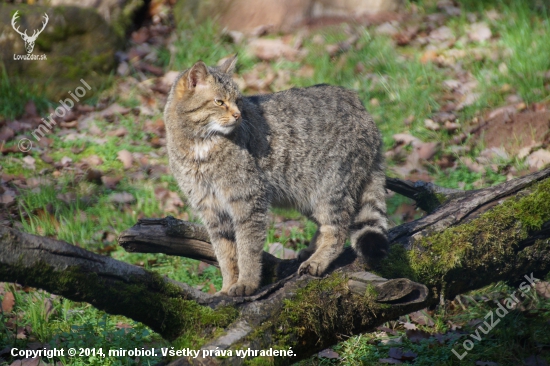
(195, 42)
(521, 52)
(77, 325)
(15, 94)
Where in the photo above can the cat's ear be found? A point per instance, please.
(229, 64)
(197, 75)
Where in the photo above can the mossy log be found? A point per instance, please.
(470, 239)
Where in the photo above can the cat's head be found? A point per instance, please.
(207, 99)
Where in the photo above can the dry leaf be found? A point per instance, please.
(507, 110)
(451, 126)
(492, 154)
(425, 150)
(428, 56)
(110, 182)
(94, 130)
(538, 159)
(7, 200)
(29, 161)
(202, 267)
(472, 165)
(440, 34)
(114, 109)
(271, 49)
(8, 302)
(387, 29)
(48, 308)
(543, 289)
(328, 353)
(93, 160)
(65, 161)
(121, 197)
(431, 125)
(415, 336)
(399, 354)
(390, 341)
(479, 32)
(405, 138)
(468, 100)
(420, 317)
(37, 182)
(6, 133)
(23, 332)
(126, 158)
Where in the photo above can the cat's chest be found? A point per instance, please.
(203, 150)
(204, 160)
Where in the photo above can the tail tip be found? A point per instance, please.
(372, 247)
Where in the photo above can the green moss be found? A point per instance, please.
(303, 314)
(205, 323)
(315, 312)
(397, 264)
(481, 242)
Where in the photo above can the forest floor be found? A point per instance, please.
(460, 91)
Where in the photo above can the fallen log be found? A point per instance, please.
(470, 239)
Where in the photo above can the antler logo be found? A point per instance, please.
(29, 40)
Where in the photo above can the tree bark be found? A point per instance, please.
(469, 240)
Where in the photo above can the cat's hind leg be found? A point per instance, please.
(333, 217)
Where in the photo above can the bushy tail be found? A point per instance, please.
(368, 232)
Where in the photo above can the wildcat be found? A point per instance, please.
(315, 149)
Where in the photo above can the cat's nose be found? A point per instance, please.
(237, 115)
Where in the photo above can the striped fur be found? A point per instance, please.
(315, 149)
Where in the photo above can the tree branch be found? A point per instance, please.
(107, 284)
(497, 233)
(427, 195)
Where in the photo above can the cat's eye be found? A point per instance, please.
(218, 102)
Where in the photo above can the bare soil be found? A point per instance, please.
(513, 130)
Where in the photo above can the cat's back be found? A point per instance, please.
(319, 114)
(318, 108)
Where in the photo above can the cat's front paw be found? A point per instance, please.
(313, 268)
(242, 289)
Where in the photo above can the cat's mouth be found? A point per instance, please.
(225, 129)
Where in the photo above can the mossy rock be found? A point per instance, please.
(118, 13)
(76, 42)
